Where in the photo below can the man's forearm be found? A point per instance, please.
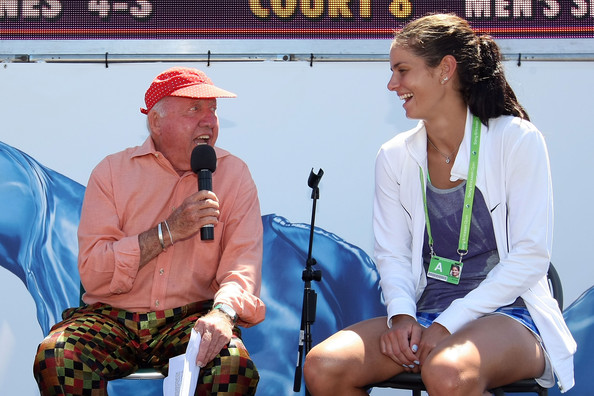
(152, 243)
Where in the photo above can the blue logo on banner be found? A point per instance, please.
(38, 243)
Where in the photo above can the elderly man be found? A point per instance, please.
(148, 276)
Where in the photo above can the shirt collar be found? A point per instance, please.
(148, 147)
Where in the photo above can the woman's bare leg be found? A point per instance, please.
(489, 352)
(349, 360)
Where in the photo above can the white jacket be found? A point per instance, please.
(514, 178)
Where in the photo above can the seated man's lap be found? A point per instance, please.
(112, 343)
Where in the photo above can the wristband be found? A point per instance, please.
(168, 231)
(160, 231)
(227, 310)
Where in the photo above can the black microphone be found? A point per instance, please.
(204, 162)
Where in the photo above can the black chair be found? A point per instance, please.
(413, 381)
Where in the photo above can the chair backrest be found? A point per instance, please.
(555, 284)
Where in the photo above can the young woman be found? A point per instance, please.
(468, 188)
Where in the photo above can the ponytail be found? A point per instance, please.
(483, 85)
(487, 93)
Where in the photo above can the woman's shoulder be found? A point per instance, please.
(511, 125)
(515, 134)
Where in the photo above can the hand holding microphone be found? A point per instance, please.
(203, 162)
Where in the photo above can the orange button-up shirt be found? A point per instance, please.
(132, 191)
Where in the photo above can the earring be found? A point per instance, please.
(444, 80)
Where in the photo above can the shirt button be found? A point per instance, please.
(156, 303)
(161, 271)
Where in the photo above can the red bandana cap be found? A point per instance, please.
(185, 82)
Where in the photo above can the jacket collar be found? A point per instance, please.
(416, 143)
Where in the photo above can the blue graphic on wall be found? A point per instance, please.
(580, 320)
(38, 244)
(39, 214)
(38, 222)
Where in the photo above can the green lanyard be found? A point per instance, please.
(468, 194)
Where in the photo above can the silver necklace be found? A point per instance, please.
(448, 158)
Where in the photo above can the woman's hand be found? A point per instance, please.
(431, 337)
(400, 343)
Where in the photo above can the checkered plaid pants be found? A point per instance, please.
(98, 343)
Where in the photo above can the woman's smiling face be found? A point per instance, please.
(415, 83)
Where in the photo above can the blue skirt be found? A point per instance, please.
(520, 314)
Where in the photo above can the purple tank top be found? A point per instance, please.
(445, 214)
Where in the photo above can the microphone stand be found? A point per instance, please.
(308, 312)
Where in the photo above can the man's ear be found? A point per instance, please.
(154, 121)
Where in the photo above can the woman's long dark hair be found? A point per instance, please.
(482, 81)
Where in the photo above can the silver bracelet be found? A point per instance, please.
(168, 231)
(160, 231)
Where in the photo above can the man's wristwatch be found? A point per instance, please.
(227, 310)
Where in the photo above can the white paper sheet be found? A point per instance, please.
(183, 371)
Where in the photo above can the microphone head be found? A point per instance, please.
(203, 157)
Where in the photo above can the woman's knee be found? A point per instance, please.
(440, 380)
(313, 368)
(446, 373)
(320, 370)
